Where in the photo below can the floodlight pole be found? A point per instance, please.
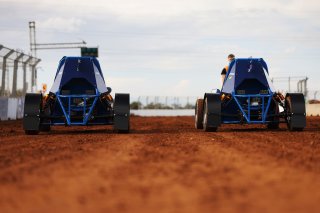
(15, 74)
(25, 74)
(4, 70)
(34, 46)
(34, 75)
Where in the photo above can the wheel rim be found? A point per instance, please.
(288, 112)
(196, 113)
(205, 115)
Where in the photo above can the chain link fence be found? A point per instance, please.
(163, 102)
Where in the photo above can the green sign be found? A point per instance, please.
(89, 51)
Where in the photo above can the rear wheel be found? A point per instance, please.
(31, 132)
(198, 118)
(45, 123)
(122, 113)
(211, 112)
(274, 119)
(295, 111)
(45, 128)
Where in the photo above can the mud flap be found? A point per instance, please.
(212, 112)
(296, 111)
(122, 112)
(32, 109)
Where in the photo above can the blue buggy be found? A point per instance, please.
(248, 97)
(78, 97)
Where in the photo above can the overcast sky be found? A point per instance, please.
(170, 47)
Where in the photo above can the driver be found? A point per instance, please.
(225, 69)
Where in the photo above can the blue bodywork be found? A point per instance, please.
(78, 89)
(247, 93)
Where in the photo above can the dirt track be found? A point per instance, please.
(164, 165)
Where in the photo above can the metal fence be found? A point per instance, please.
(163, 102)
(18, 72)
(291, 84)
(314, 95)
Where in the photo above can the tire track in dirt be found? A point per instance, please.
(216, 174)
(75, 184)
(164, 165)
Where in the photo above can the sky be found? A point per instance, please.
(170, 47)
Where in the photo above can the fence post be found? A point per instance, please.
(15, 75)
(4, 70)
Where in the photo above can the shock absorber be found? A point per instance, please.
(48, 102)
(225, 97)
(279, 98)
(107, 99)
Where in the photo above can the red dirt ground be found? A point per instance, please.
(164, 165)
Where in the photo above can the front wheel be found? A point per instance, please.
(198, 118)
(32, 111)
(274, 109)
(295, 111)
(211, 112)
(45, 123)
(122, 113)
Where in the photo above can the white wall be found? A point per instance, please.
(313, 109)
(11, 108)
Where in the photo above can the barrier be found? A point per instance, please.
(313, 109)
(11, 108)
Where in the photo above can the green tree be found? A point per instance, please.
(136, 105)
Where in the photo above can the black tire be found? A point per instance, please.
(45, 122)
(45, 127)
(122, 113)
(274, 109)
(295, 111)
(31, 132)
(198, 118)
(211, 112)
(32, 111)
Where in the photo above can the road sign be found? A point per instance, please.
(89, 51)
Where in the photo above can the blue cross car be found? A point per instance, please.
(248, 97)
(78, 97)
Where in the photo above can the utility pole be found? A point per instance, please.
(32, 36)
(34, 46)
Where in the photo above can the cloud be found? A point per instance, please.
(290, 50)
(61, 24)
(131, 85)
(170, 46)
(180, 88)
